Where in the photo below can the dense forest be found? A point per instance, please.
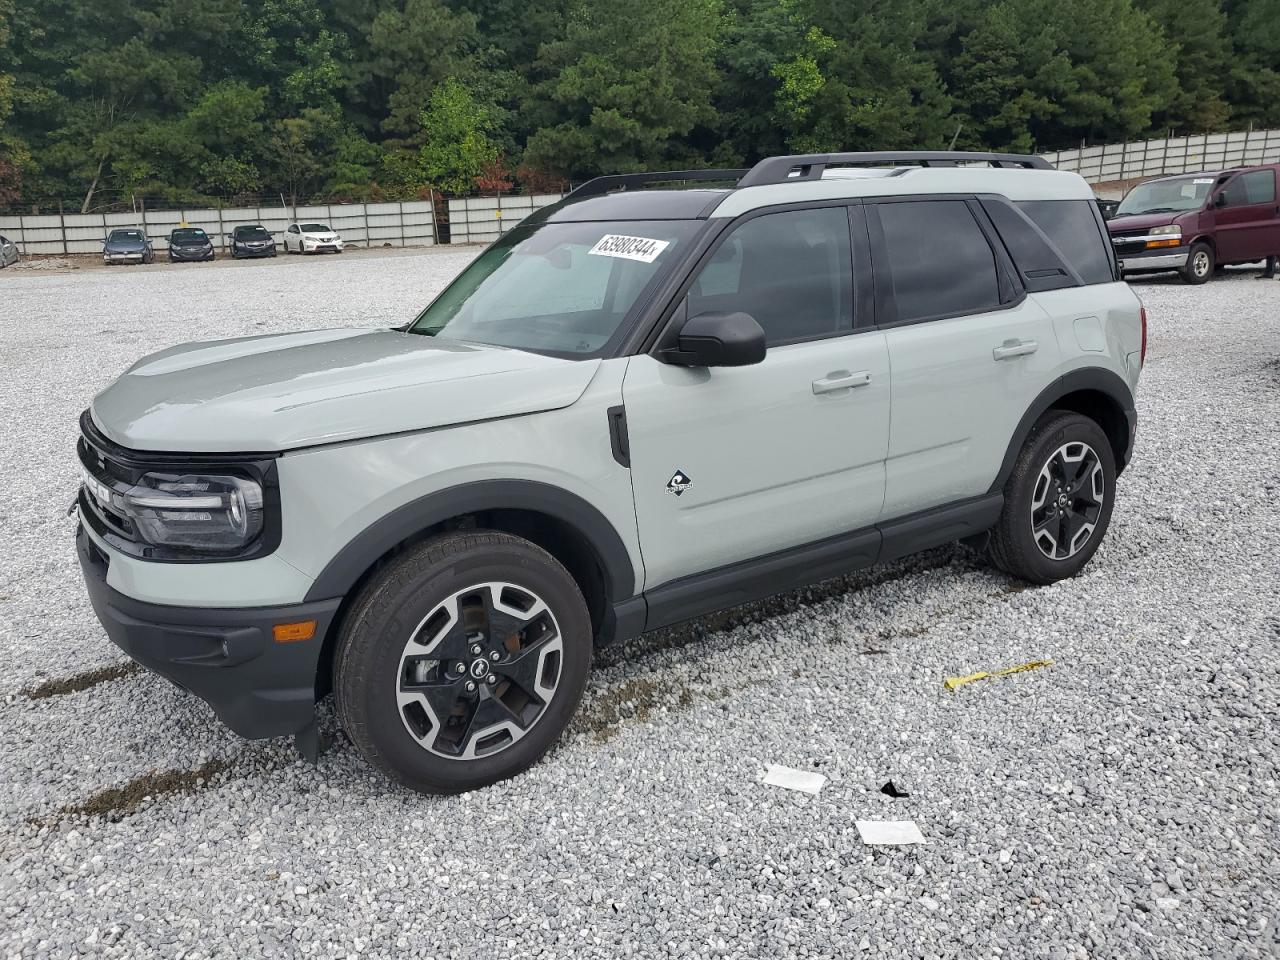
(185, 101)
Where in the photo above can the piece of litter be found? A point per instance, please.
(890, 790)
(789, 779)
(952, 683)
(889, 832)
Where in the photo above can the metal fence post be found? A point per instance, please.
(222, 231)
(62, 228)
(364, 209)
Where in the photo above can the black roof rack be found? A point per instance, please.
(629, 181)
(810, 166)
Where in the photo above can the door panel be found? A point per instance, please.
(776, 455)
(1248, 227)
(960, 386)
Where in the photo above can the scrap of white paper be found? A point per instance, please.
(801, 780)
(884, 832)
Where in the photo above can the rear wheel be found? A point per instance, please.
(462, 661)
(1200, 264)
(1057, 501)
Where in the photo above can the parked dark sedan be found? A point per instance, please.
(189, 243)
(127, 245)
(252, 241)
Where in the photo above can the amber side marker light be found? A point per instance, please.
(289, 632)
(1171, 242)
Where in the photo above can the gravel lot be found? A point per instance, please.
(1122, 803)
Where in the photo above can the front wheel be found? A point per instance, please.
(461, 663)
(1057, 500)
(1200, 264)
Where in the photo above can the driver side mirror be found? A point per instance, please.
(1220, 198)
(718, 340)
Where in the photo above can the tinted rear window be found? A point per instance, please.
(939, 259)
(1072, 225)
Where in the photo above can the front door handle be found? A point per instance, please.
(841, 380)
(1015, 348)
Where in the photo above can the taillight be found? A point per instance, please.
(1143, 313)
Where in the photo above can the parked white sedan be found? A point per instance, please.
(311, 238)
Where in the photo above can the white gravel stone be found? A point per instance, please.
(1062, 806)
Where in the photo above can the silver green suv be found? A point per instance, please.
(640, 405)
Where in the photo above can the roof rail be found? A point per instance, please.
(810, 166)
(628, 181)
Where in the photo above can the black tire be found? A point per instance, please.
(401, 602)
(1015, 546)
(1201, 264)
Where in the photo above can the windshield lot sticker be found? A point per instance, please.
(629, 248)
(1203, 180)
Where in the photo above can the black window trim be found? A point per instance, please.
(658, 328)
(1008, 283)
(1064, 265)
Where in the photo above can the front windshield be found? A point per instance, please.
(314, 228)
(253, 233)
(184, 236)
(1174, 195)
(558, 288)
(126, 235)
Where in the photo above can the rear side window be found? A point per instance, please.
(1248, 188)
(939, 259)
(1072, 225)
(791, 271)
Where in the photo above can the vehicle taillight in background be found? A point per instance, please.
(1143, 357)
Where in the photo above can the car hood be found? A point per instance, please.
(296, 390)
(1126, 223)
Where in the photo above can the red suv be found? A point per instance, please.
(1195, 222)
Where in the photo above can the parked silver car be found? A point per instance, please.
(8, 252)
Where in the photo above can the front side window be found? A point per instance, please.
(1074, 230)
(939, 259)
(791, 271)
(558, 288)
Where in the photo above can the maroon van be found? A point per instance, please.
(1195, 222)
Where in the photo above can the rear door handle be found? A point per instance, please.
(1015, 348)
(841, 380)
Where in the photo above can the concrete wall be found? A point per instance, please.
(408, 224)
(484, 219)
(1149, 158)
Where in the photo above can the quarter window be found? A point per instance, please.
(1073, 228)
(791, 271)
(939, 259)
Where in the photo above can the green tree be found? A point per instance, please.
(1038, 73)
(626, 85)
(1195, 34)
(458, 146)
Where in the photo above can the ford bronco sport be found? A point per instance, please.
(638, 406)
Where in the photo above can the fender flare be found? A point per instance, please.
(1090, 378)
(349, 564)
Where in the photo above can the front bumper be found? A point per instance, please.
(190, 253)
(123, 257)
(309, 247)
(1168, 258)
(227, 657)
(242, 251)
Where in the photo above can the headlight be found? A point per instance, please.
(1170, 236)
(209, 513)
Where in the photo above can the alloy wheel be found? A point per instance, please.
(479, 671)
(1067, 501)
(1200, 263)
